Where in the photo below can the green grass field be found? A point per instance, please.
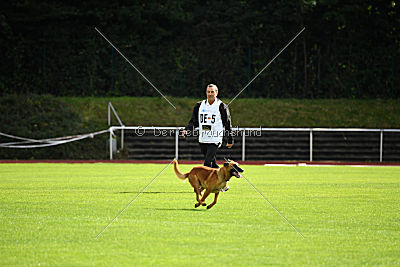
(51, 213)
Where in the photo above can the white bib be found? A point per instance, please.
(211, 129)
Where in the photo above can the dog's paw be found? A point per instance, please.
(209, 207)
(203, 204)
(196, 205)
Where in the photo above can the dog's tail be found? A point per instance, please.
(178, 173)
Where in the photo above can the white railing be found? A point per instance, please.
(111, 108)
(140, 131)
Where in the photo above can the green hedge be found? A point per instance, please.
(246, 112)
(39, 117)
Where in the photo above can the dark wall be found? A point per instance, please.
(348, 50)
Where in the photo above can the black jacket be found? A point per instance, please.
(225, 117)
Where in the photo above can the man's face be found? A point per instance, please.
(211, 94)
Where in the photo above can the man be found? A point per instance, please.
(214, 122)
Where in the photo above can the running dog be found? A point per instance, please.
(212, 180)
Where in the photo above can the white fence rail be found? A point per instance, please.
(140, 131)
(110, 109)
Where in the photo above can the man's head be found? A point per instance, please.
(212, 92)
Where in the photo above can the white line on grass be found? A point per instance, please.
(141, 191)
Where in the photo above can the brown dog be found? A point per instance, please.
(212, 180)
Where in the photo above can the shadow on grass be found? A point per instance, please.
(134, 192)
(203, 210)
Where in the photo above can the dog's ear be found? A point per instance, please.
(226, 164)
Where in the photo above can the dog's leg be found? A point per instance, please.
(201, 191)
(198, 195)
(196, 185)
(206, 193)
(214, 202)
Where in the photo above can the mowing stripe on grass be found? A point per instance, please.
(274, 207)
(141, 191)
(268, 201)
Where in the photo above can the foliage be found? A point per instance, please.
(45, 116)
(40, 117)
(348, 50)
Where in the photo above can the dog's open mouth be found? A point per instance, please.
(236, 172)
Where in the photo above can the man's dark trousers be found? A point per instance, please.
(209, 151)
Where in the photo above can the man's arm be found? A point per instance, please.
(194, 121)
(226, 121)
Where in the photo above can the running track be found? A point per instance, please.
(197, 162)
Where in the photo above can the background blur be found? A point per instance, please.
(58, 74)
(349, 49)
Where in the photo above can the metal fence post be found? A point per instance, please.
(381, 147)
(111, 156)
(311, 144)
(122, 138)
(244, 145)
(176, 143)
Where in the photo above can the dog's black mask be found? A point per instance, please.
(235, 171)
